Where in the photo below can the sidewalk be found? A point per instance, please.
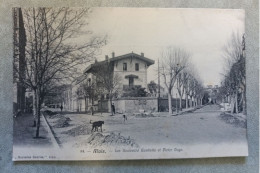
(238, 120)
(186, 110)
(24, 133)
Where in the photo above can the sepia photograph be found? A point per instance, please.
(128, 83)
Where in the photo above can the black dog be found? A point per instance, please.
(96, 125)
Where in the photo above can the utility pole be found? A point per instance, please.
(159, 80)
(158, 86)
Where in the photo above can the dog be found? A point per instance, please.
(96, 125)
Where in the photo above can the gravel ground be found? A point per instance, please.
(79, 130)
(98, 139)
(62, 122)
(203, 126)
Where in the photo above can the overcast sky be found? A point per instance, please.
(202, 32)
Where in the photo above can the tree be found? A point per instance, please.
(235, 76)
(51, 55)
(174, 60)
(182, 85)
(153, 88)
(192, 90)
(199, 90)
(88, 91)
(107, 82)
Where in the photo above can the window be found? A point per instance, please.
(125, 67)
(136, 67)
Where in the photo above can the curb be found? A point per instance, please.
(194, 109)
(54, 140)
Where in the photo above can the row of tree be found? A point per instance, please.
(177, 71)
(233, 85)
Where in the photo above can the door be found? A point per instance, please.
(131, 81)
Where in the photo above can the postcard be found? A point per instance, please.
(128, 83)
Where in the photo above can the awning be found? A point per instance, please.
(131, 76)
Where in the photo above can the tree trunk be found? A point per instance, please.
(233, 103)
(110, 103)
(191, 102)
(86, 104)
(38, 110)
(170, 102)
(236, 105)
(180, 103)
(34, 109)
(186, 99)
(92, 106)
(244, 102)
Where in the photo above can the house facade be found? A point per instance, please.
(88, 92)
(130, 68)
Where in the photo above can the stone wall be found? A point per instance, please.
(136, 104)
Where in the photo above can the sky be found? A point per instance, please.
(201, 32)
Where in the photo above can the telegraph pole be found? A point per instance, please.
(158, 86)
(159, 80)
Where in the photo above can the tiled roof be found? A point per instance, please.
(147, 60)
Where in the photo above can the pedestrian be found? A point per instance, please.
(92, 110)
(125, 117)
(61, 107)
(113, 109)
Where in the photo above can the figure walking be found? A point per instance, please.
(61, 107)
(125, 117)
(113, 109)
(92, 110)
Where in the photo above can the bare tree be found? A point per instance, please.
(192, 90)
(107, 82)
(174, 60)
(199, 90)
(51, 55)
(182, 86)
(88, 89)
(235, 75)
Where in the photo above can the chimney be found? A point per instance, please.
(113, 54)
(106, 57)
(142, 54)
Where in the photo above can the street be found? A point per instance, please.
(202, 126)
